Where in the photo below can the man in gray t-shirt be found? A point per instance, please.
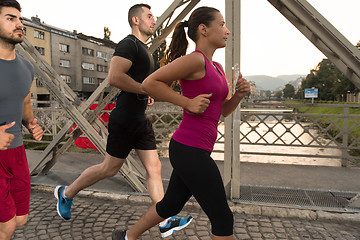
(15, 87)
(15, 110)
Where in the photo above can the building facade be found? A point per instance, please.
(39, 36)
(81, 61)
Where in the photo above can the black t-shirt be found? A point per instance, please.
(132, 106)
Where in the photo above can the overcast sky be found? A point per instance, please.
(270, 45)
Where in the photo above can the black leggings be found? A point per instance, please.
(196, 173)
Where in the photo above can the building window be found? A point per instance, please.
(41, 50)
(101, 55)
(88, 51)
(88, 66)
(38, 83)
(64, 48)
(88, 80)
(100, 80)
(102, 68)
(64, 63)
(39, 34)
(66, 78)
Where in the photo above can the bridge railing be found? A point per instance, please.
(292, 133)
(278, 131)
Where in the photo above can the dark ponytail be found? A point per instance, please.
(179, 43)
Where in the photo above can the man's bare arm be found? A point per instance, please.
(119, 78)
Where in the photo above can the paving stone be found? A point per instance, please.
(96, 218)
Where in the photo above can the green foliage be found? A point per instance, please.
(299, 94)
(107, 33)
(36, 145)
(268, 93)
(278, 94)
(289, 91)
(159, 53)
(331, 83)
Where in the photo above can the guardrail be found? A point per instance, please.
(274, 130)
(330, 136)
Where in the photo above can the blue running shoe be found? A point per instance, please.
(63, 204)
(174, 224)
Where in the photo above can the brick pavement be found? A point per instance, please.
(96, 218)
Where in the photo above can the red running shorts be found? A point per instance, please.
(14, 183)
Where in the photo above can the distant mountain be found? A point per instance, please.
(292, 77)
(297, 82)
(265, 82)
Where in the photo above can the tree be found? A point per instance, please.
(107, 33)
(278, 94)
(323, 79)
(289, 91)
(299, 94)
(159, 53)
(330, 82)
(268, 93)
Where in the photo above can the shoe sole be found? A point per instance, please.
(56, 194)
(175, 229)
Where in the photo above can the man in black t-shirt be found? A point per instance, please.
(128, 126)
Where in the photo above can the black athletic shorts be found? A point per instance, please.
(123, 137)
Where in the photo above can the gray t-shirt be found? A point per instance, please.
(16, 77)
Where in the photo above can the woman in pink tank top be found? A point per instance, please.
(205, 96)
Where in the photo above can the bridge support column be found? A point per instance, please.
(232, 123)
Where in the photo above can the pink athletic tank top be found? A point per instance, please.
(200, 130)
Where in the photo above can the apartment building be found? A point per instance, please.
(81, 61)
(94, 62)
(39, 36)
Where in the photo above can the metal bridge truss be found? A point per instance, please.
(323, 35)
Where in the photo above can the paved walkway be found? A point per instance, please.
(96, 218)
(70, 165)
(111, 204)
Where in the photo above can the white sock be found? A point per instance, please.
(63, 192)
(163, 223)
